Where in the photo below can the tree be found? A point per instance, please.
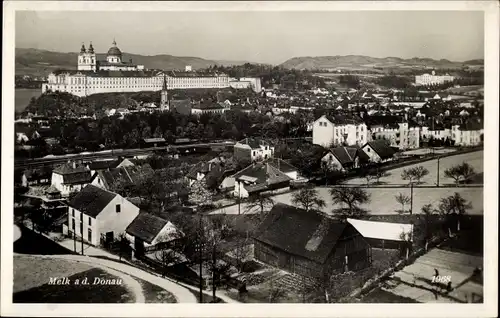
(379, 173)
(351, 198)
(276, 292)
(368, 175)
(407, 174)
(462, 171)
(454, 206)
(403, 200)
(427, 213)
(200, 195)
(262, 202)
(419, 172)
(407, 238)
(308, 199)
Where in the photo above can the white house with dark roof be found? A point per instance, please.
(328, 130)
(344, 158)
(70, 177)
(148, 232)
(379, 151)
(253, 149)
(99, 216)
(260, 177)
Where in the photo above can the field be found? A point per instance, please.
(382, 198)
(35, 287)
(23, 96)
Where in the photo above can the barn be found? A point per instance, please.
(308, 243)
(384, 235)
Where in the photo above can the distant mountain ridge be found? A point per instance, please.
(367, 62)
(42, 62)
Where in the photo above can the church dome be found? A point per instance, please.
(114, 50)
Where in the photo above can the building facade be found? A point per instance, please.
(115, 75)
(432, 79)
(328, 131)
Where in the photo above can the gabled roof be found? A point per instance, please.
(254, 143)
(307, 234)
(281, 165)
(130, 174)
(68, 168)
(91, 200)
(261, 174)
(101, 165)
(382, 148)
(147, 227)
(382, 230)
(347, 155)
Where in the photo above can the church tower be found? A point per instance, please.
(87, 59)
(164, 104)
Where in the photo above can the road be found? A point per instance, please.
(382, 199)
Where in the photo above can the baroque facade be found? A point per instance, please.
(113, 75)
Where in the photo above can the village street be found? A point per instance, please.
(382, 198)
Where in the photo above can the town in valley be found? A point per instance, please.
(330, 179)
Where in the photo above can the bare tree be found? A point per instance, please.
(308, 199)
(460, 172)
(368, 175)
(427, 212)
(262, 202)
(379, 173)
(407, 174)
(419, 172)
(407, 238)
(454, 205)
(403, 200)
(351, 198)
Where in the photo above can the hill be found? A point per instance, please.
(360, 62)
(40, 62)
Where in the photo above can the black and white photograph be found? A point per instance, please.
(233, 153)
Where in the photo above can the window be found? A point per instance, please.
(72, 212)
(81, 216)
(73, 226)
(90, 221)
(118, 208)
(90, 235)
(368, 149)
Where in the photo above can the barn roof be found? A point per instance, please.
(304, 233)
(382, 148)
(146, 226)
(381, 230)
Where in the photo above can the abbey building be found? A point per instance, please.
(113, 75)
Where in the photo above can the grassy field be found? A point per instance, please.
(23, 96)
(31, 283)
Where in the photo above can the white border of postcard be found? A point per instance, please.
(487, 309)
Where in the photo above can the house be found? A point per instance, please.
(212, 170)
(95, 166)
(284, 167)
(379, 151)
(344, 158)
(309, 243)
(25, 133)
(148, 232)
(50, 199)
(70, 177)
(99, 216)
(208, 108)
(154, 142)
(468, 134)
(339, 130)
(260, 178)
(125, 175)
(36, 177)
(384, 234)
(253, 149)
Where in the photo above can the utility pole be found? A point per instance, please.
(214, 265)
(438, 172)
(81, 237)
(74, 240)
(411, 198)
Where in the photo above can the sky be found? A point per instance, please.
(264, 37)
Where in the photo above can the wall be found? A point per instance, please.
(76, 220)
(108, 220)
(323, 135)
(374, 157)
(332, 162)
